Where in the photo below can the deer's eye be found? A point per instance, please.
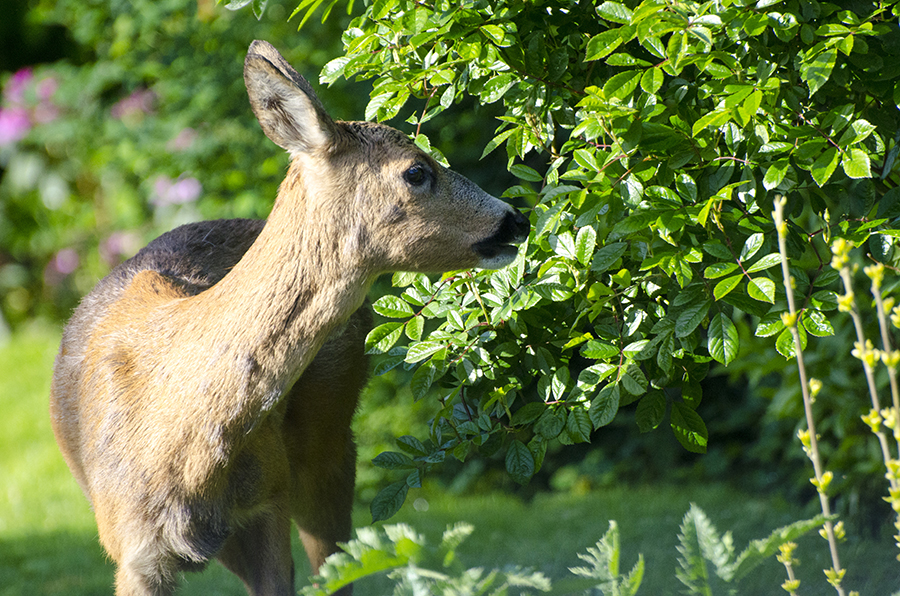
(417, 174)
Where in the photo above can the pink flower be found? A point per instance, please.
(118, 246)
(14, 92)
(140, 102)
(183, 140)
(177, 192)
(14, 125)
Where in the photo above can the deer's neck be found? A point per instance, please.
(295, 285)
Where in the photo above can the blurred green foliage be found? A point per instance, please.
(145, 125)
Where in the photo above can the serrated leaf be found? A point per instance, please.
(816, 323)
(769, 325)
(603, 44)
(762, 289)
(578, 426)
(751, 246)
(785, 343)
(633, 380)
(382, 338)
(815, 70)
(422, 380)
(652, 80)
(605, 257)
(766, 262)
(519, 462)
(724, 287)
(650, 411)
(856, 163)
(599, 350)
(605, 406)
(414, 327)
(689, 428)
(824, 166)
(713, 119)
(585, 241)
(717, 270)
(392, 460)
(392, 307)
(690, 318)
(423, 349)
(523, 172)
(775, 173)
(388, 501)
(550, 424)
(723, 339)
(615, 12)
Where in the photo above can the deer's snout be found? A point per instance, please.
(499, 249)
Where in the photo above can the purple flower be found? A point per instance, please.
(14, 125)
(177, 192)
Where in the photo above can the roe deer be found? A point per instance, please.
(203, 392)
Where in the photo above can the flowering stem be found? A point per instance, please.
(836, 572)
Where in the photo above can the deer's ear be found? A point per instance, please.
(284, 103)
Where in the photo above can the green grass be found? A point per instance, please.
(48, 539)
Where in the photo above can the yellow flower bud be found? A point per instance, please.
(875, 273)
(815, 386)
(873, 419)
(845, 302)
(788, 319)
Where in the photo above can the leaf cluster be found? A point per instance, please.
(666, 129)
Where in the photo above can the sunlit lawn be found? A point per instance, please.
(48, 542)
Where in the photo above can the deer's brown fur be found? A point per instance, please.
(203, 392)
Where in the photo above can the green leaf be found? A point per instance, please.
(762, 289)
(769, 325)
(605, 406)
(392, 460)
(650, 411)
(422, 380)
(824, 166)
(775, 173)
(717, 270)
(382, 338)
(603, 44)
(858, 131)
(550, 424)
(497, 87)
(423, 349)
(751, 246)
(724, 287)
(816, 323)
(723, 339)
(856, 163)
(634, 381)
(766, 262)
(714, 119)
(785, 343)
(605, 257)
(652, 80)
(690, 318)
(578, 425)
(523, 172)
(615, 12)
(414, 327)
(388, 501)
(519, 462)
(585, 241)
(816, 69)
(392, 307)
(689, 428)
(599, 350)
